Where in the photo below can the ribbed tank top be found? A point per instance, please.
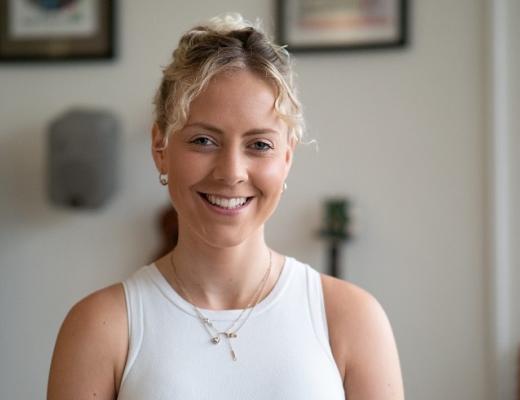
(283, 350)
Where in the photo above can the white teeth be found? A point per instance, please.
(226, 203)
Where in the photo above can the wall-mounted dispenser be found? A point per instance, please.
(82, 158)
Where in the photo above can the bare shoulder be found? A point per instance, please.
(347, 306)
(340, 290)
(362, 341)
(91, 348)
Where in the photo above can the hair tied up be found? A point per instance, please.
(223, 43)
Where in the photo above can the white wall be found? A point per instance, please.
(401, 132)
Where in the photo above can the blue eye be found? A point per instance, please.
(261, 146)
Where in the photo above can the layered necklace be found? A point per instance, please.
(231, 331)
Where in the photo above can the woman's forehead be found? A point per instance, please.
(241, 97)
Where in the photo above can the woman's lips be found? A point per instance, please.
(225, 210)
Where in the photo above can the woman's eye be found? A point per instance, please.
(203, 141)
(261, 146)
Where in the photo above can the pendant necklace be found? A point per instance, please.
(230, 332)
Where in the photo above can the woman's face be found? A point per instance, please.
(227, 166)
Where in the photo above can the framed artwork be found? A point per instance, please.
(51, 30)
(331, 25)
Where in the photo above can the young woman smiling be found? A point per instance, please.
(223, 316)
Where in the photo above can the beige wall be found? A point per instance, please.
(400, 132)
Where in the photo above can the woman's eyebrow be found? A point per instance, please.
(214, 129)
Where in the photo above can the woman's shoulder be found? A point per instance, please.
(92, 344)
(361, 336)
(346, 305)
(345, 296)
(104, 313)
(101, 312)
(352, 312)
(104, 306)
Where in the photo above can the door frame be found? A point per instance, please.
(503, 189)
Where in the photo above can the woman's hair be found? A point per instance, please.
(224, 43)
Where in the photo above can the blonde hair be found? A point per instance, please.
(224, 43)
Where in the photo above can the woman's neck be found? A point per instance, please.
(220, 277)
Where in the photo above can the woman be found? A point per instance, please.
(223, 316)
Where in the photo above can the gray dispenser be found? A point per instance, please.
(83, 147)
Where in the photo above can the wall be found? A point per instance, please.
(400, 132)
(515, 162)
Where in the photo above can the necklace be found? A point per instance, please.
(229, 333)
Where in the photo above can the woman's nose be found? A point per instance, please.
(230, 167)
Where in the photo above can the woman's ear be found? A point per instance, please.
(159, 149)
(291, 144)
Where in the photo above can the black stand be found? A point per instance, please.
(336, 231)
(334, 258)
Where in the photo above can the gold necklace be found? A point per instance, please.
(229, 334)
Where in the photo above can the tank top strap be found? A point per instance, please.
(316, 305)
(134, 305)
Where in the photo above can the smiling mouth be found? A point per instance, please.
(226, 203)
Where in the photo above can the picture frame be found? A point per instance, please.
(341, 25)
(67, 30)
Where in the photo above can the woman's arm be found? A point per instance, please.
(91, 348)
(363, 343)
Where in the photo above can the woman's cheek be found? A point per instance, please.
(271, 175)
(188, 166)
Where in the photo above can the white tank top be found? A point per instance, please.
(283, 350)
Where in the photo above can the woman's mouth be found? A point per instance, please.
(226, 203)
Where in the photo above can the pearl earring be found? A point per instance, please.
(163, 178)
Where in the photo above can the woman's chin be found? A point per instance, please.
(226, 238)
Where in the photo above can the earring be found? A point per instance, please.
(284, 187)
(163, 178)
